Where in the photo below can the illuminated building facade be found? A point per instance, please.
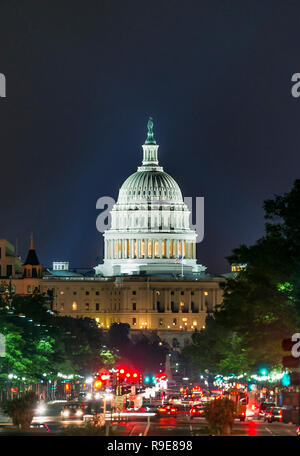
(140, 282)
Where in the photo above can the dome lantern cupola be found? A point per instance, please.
(150, 148)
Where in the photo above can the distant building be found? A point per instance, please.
(238, 267)
(10, 262)
(60, 266)
(150, 278)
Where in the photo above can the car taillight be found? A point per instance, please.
(162, 409)
(173, 410)
(243, 413)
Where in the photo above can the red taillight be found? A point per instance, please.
(173, 410)
(243, 413)
(193, 411)
(162, 409)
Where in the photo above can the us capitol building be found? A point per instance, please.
(149, 278)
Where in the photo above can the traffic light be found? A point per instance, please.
(67, 387)
(135, 376)
(263, 371)
(97, 384)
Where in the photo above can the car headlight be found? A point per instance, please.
(79, 412)
(66, 413)
(40, 409)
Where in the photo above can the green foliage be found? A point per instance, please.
(21, 410)
(39, 342)
(261, 305)
(142, 352)
(219, 415)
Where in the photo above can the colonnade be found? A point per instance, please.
(149, 248)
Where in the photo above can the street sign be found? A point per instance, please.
(119, 403)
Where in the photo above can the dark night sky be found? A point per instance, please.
(82, 79)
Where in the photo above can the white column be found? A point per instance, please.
(138, 248)
(160, 248)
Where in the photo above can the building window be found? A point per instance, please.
(97, 293)
(163, 247)
(74, 305)
(9, 270)
(172, 293)
(192, 293)
(97, 306)
(134, 306)
(156, 248)
(194, 307)
(174, 308)
(206, 293)
(74, 292)
(87, 293)
(62, 306)
(158, 292)
(87, 306)
(182, 293)
(174, 321)
(161, 322)
(28, 288)
(134, 292)
(134, 321)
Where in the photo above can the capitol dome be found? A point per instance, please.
(150, 230)
(143, 186)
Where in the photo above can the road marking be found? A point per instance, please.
(269, 430)
(146, 429)
(132, 429)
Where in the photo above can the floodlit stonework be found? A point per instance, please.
(149, 279)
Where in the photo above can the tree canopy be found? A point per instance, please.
(261, 304)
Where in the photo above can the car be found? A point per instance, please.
(274, 414)
(175, 399)
(167, 409)
(263, 407)
(71, 411)
(197, 410)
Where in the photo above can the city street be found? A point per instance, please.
(166, 426)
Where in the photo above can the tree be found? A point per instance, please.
(261, 304)
(21, 410)
(219, 415)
